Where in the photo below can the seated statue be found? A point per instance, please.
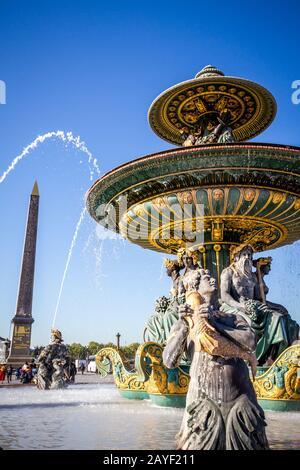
(211, 129)
(263, 268)
(51, 363)
(154, 328)
(243, 292)
(221, 406)
(158, 327)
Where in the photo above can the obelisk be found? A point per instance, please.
(22, 321)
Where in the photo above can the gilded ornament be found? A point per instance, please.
(297, 204)
(160, 201)
(185, 197)
(218, 194)
(277, 198)
(282, 380)
(249, 194)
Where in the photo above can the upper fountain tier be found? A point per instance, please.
(212, 108)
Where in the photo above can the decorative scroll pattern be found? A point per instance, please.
(282, 379)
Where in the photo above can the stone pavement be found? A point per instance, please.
(92, 378)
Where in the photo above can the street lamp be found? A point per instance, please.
(118, 340)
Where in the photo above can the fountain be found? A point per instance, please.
(213, 194)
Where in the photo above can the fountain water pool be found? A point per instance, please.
(95, 416)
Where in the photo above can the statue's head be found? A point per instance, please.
(243, 258)
(188, 258)
(207, 284)
(161, 304)
(171, 266)
(56, 335)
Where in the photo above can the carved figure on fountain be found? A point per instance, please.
(221, 409)
(159, 325)
(189, 280)
(51, 363)
(244, 292)
(212, 128)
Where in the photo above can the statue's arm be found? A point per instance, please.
(257, 293)
(226, 284)
(176, 344)
(277, 307)
(236, 328)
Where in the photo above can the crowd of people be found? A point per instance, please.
(24, 374)
(27, 373)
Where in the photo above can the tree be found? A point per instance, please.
(130, 350)
(77, 351)
(93, 347)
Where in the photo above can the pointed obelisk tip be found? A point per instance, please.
(35, 190)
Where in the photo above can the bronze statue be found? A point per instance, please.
(263, 268)
(244, 292)
(221, 408)
(211, 128)
(154, 330)
(173, 271)
(51, 363)
(159, 325)
(189, 280)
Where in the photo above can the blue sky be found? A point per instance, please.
(94, 69)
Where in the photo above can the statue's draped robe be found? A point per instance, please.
(221, 408)
(159, 325)
(274, 330)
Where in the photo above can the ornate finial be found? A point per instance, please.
(209, 71)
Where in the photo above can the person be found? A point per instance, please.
(82, 368)
(221, 411)
(26, 374)
(241, 292)
(73, 372)
(2, 372)
(69, 370)
(9, 374)
(25, 366)
(18, 373)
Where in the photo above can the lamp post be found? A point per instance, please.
(118, 340)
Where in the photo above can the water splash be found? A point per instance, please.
(82, 215)
(68, 138)
(102, 242)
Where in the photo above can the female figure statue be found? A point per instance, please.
(189, 260)
(271, 321)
